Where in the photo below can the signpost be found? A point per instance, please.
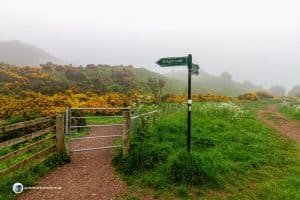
(192, 69)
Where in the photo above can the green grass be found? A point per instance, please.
(234, 156)
(77, 134)
(30, 174)
(10, 162)
(105, 120)
(25, 155)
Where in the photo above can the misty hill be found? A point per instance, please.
(52, 78)
(206, 83)
(17, 53)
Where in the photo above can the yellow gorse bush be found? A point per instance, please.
(27, 102)
(249, 96)
(198, 98)
(254, 96)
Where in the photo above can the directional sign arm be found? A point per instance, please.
(172, 61)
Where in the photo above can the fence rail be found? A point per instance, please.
(25, 124)
(27, 137)
(96, 148)
(57, 137)
(36, 156)
(145, 114)
(26, 148)
(92, 117)
(100, 136)
(156, 114)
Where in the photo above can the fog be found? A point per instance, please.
(256, 40)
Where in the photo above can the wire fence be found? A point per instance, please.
(141, 120)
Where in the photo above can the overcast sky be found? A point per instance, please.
(257, 40)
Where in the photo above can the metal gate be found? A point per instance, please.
(105, 127)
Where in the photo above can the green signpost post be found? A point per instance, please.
(192, 69)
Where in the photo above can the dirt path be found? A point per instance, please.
(89, 175)
(271, 116)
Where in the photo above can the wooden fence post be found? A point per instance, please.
(60, 144)
(127, 116)
(67, 120)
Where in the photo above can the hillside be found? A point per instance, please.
(17, 53)
(52, 78)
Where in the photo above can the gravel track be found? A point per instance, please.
(271, 116)
(89, 175)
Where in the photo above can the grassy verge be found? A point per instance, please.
(234, 156)
(290, 112)
(30, 174)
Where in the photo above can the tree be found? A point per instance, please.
(226, 76)
(156, 85)
(277, 91)
(123, 77)
(295, 91)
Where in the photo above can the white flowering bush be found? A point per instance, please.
(229, 110)
(292, 105)
(296, 108)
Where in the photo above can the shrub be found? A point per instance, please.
(78, 121)
(249, 97)
(291, 107)
(264, 95)
(197, 98)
